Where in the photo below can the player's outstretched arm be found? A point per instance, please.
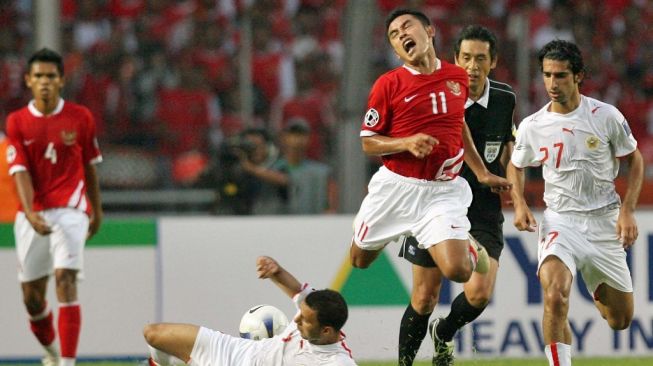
(475, 163)
(626, 224)
(267, 267)
(419, 144)
(524, 220)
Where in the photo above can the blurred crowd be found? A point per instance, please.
(162, 80)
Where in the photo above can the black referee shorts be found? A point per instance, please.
(490, 235)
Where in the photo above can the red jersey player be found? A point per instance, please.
(51, 154)
(415, 122)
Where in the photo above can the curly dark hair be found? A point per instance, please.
(561, 50)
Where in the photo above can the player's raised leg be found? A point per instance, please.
(556, 280)
(615, 306)
(167, 339)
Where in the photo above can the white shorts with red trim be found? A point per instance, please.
(431, 211)
(39, 255)
(588, 243)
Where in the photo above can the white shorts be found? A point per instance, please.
(216, 348)
(39, 255)
(431, 211)
(589, 244)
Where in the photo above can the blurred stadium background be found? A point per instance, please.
(172, 82)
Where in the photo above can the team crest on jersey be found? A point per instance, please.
(371, 117)
(592, 142)
(68, 138)
(454, 87)
(11, 154)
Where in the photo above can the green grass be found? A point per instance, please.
(473, 362)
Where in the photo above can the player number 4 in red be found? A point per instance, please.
(51, 153)
(559, 146)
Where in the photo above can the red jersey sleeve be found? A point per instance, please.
(16, 156)
(379, 110)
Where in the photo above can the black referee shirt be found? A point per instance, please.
(490, 120)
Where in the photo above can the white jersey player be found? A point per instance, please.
(577, 140)
(313, 338)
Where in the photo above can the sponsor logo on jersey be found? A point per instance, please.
(592, 142)
(68, 138)
(454, 87)
(28, 142)
(371, 117)
(570, 130)
(408, 99)
(11, 154)
(491, 150)
(626, 128)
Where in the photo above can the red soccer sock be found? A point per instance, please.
(42, 325)
(70, 321)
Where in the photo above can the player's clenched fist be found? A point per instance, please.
(420, 144)
(266, 267)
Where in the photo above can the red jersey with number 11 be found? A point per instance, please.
(404, 102)
(54, 149)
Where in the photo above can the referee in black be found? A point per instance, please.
(489, 114)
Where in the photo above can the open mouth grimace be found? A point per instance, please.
(409, 45)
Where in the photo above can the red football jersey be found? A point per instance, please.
(54, 149)
(403, 102)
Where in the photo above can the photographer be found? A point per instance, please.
(243, 173)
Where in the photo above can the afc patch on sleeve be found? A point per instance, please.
(371, 117)
(11, 154)
(624, 124)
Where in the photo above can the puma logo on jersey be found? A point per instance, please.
(28, 142)
(454, 87)
(570, 130)
(408, 99)
(68, 138)
(595, 108)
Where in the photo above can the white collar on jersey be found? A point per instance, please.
(438, 66)
(36, 113)
(484, 99)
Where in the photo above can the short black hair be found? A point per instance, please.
(561, 50)
(46, 55)
(330, 306)
(477, 33)
(257, 131)
(403, 11)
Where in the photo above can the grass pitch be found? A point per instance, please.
(473, 362)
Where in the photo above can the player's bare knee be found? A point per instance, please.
(359, 262)
(150, 332)
(478, 299)
(423, 304)
(556, 301)
(619, 322)
(460, 275)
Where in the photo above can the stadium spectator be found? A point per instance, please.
(415, 122)
(586, 226)
(310, 187)
(9, 203)
(313, 338)
(52, 154)
(489, 113)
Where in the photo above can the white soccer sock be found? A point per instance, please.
(67, 361)
(558, 354)
(163, 359)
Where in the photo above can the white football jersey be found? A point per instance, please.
(289, 348)
(578, 152)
